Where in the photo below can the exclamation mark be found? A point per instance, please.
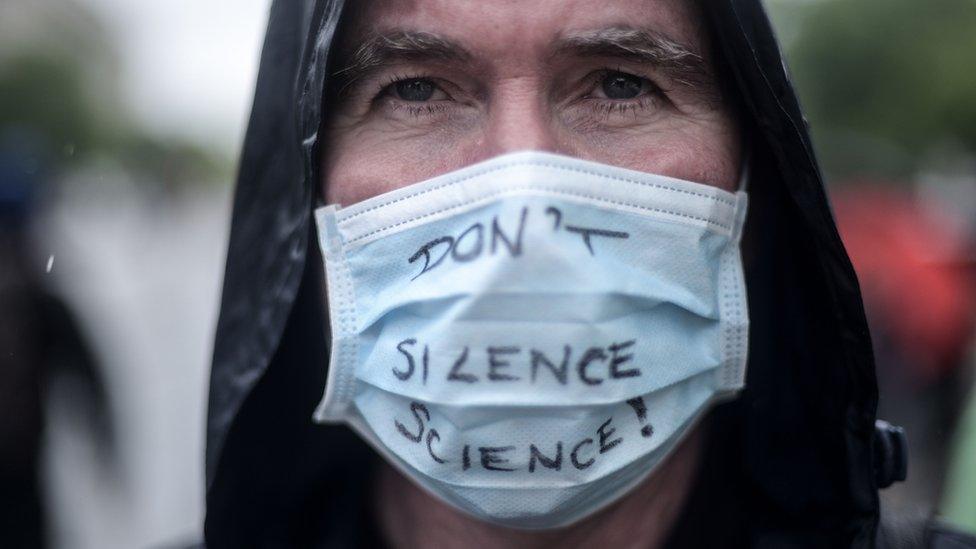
(641, 410)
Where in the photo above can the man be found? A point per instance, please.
(367, 100)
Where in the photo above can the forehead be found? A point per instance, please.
(504, 26)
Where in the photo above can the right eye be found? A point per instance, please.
(417, 90)
(621, 85)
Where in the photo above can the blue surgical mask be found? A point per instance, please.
(528, 338)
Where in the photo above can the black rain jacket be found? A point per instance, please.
(796, 461)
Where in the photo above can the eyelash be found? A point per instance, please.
(604, 107)
(385, 90)
(385, 86)
(607, 107)
(421, 110)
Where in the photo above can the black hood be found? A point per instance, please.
(794, 455)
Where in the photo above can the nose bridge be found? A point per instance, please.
(519, 118)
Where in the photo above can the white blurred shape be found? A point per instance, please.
(142, 272)
(188, 67)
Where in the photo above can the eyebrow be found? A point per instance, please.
(379, 50)
(682, 63)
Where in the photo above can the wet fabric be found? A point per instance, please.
(797, 466)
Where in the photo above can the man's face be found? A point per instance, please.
(429, 86)
(425, 87)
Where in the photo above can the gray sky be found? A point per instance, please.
(204, 58)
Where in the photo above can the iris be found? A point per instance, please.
(417, 89)
(620, 85)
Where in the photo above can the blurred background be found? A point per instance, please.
(120, 122)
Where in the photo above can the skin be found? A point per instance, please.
(514, 91)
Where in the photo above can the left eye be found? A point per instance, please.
(621, 85)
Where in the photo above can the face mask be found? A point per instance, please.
(529, 337)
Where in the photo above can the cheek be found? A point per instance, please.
(358, 166)
(706, 152)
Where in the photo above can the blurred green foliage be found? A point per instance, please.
(43, 95)
(60, 94)
(889, 86)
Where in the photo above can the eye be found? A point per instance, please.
(622, 86)
(417, 90)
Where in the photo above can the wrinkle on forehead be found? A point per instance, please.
(501, 25)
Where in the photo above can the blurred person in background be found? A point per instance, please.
(109, 269)
(795, 460)
(890, 95)
(917, 277)
(40, 344)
